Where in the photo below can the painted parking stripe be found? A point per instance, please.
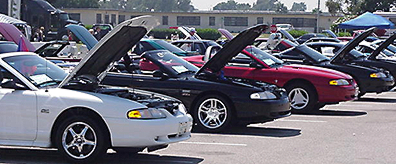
(213, 143)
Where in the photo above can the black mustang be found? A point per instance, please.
(214, 100)
(369, 79)
(358, 58)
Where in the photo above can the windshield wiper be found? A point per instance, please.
(48, 83)
(186, 72)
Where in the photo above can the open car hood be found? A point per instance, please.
(343, 52)
(83, 34)
(382, 46)
(232, 48)
(11, 33)
(186, 31)
(112, 48)
(287, 35)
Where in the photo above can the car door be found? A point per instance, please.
(241, 66)
(18, 113)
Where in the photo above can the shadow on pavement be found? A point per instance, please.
(372, 99)
(261, 131)
(12, 155)
(334, 113)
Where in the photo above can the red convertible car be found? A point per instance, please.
(309, 87)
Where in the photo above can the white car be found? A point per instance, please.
(42, 106)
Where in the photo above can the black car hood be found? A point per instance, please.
(112, 48)
(344, 51)
(232, 48)
(382, 46)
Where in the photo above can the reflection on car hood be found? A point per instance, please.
(11, 33)
(343, 52)
(112, 48)
(232, 48)
(382, 46)
(326, 71)
(83, 34)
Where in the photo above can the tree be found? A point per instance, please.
(315, 11)
(232, 5)
(148, 5)
(75, 3)
(334, 6)
(266, 5)
(299, 6)
(281, 8)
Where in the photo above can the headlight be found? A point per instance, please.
(151, 113)
(377, 75)
(339, 82)
(262, 95)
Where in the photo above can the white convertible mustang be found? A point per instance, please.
(41, 105)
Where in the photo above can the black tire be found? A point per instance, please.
(225, 117)
(95, 133)
(127, 150)
(304, 105)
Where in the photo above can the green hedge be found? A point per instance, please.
(342, 34)
(297, 33)
(88, 26)
(210, 34)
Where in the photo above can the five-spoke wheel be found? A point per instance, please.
(213, 113)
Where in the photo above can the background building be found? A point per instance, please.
(231, 20)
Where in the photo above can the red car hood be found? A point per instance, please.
(326, 72)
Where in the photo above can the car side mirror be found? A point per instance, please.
(255, 65)
(12, 85)
(159, 74)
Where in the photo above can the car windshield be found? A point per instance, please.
(169, 47)
(357, 54)
(37, 70)
(392, 48)
(313, 54)
(264, 57)
(4, 48)
(170, 62)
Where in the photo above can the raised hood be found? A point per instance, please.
(343, 52)
(11, 33)
(112, 48)
(232, 48)
(83, 34)
(381, 47)
(288, 36)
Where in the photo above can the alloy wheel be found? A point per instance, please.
(212, 113)
(79, 140)
(299, 98)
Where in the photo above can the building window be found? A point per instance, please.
(188, 20)
(296, 22)
(260, 20)
(121, 18)
(98, 18)
(107, 19)
(75, 16)
(235, 21)
(164, 20)
(113, 19)
(212, 21)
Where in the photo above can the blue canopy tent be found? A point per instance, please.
(367, 20)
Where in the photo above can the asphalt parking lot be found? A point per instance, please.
(361, 131)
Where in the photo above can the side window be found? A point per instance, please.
(328, 51)
(9, 80)
(186, 46)
(200, 48)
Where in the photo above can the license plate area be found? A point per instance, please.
(183, 128)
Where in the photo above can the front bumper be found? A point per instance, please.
(377, 85)
(149, 132)
(262, 110)
(335, 94)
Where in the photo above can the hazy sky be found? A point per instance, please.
(208, 4)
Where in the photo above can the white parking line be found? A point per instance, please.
(213, 143)
(301, 120)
